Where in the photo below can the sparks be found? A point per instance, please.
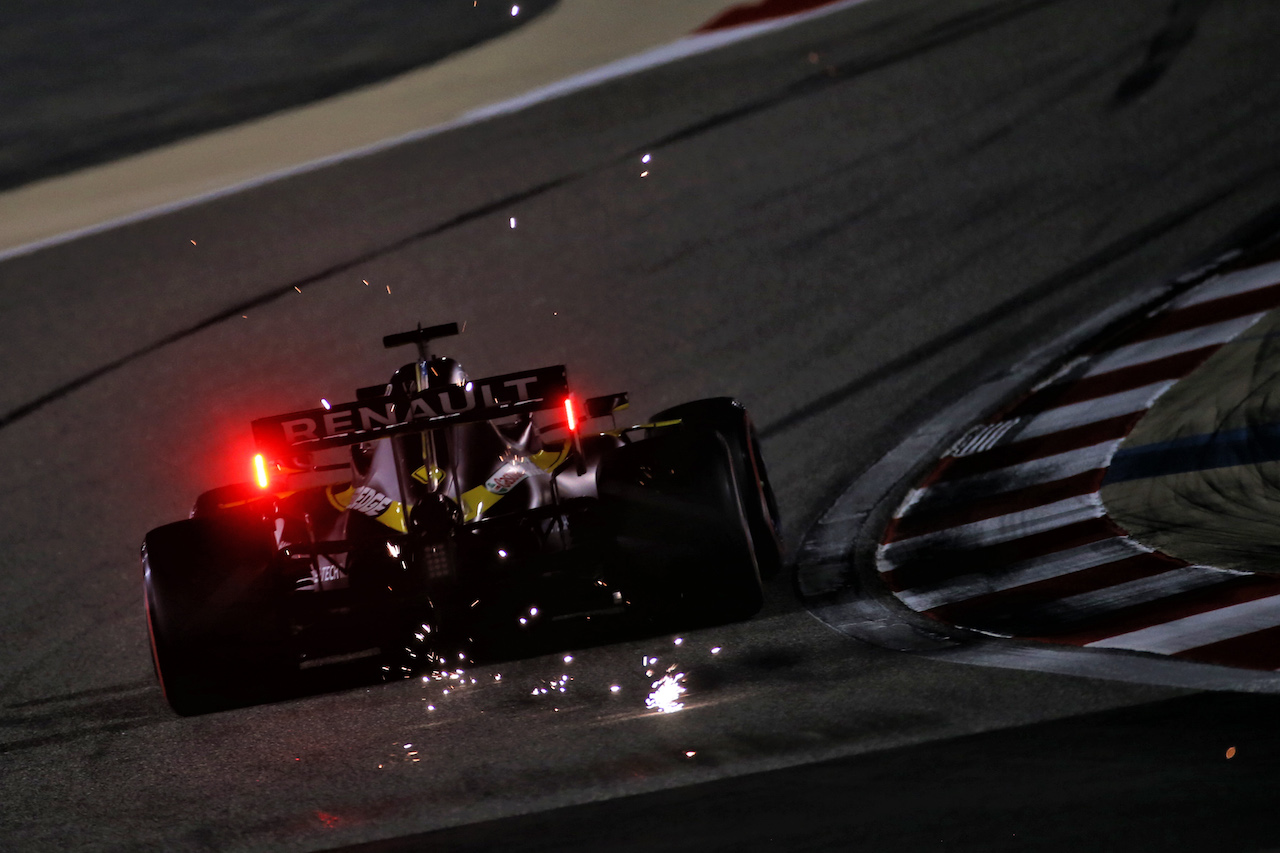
(513, 222)
(645, 173)
(614, 688)
(515, 10)
(568, 659)
(193, 242)
(299, 289)
(388, 289)
(679, 641)
(325, 403)
(260, 469)
(715, 650)
(646, 158)
(666, 694)
(690, 753)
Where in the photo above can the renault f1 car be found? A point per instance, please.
(441, 518)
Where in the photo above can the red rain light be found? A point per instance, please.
(570, 414)
(260, 469)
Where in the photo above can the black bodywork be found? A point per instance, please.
(469, 521)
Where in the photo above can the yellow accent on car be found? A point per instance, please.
(341, 500)
(392, 516)
(278, 495)
(476, 501)
(549, 460)
(428, 476)
(654, 425)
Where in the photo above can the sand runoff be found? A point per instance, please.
(573, 45)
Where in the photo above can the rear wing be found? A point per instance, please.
(284, 436)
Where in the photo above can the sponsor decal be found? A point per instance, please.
(324, 574)
(370, 502)
(506, 478)
(345, 423)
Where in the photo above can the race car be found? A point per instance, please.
(440, 519)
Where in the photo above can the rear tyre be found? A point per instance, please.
(679, 521)
(727, 417)
(238, 498)
(214, 613)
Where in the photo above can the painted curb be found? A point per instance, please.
(835, 567)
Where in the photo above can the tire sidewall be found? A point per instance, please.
(730, 419)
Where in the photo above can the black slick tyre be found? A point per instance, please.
(726, 416)
(680, 524)
(213, 613)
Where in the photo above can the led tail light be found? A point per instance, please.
(260, 470)
(570, 415)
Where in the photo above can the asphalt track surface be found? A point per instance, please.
(146, 73)
(847, 224)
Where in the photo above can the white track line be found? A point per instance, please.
(1092, 411)
(1201, 629)
(1044, 469)
(1142, 352)
(992, 531)
(1140, 591)
(1025, 572)
(1231, 284)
